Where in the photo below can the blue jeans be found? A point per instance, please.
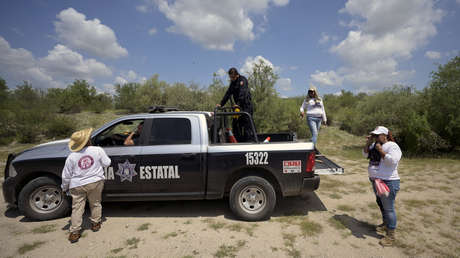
(387, 204)
(314, 123)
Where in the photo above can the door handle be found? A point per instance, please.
(188, 155)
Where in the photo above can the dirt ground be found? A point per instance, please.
(336, 221)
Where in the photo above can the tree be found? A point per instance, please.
(443, 101)
(267, 106)
(125, 96)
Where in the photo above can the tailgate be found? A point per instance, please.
(325, 166)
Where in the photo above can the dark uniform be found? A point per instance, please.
(241, 94)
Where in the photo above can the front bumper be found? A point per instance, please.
(8, 189)
(310, 184)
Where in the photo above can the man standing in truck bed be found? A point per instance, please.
(242, 96)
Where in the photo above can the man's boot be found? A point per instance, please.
(95, 226)
(389, 239)
(381, 229)
(74, 236)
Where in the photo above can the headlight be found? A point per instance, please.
(11, 171)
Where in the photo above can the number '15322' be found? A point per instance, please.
(256, 158)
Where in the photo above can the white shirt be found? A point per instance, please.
(314, 108)
(388, 167)
(84, 167)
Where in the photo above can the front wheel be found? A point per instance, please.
(43, 199)
(252, 198)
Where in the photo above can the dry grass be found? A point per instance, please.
(29, 247)
(143, 227)
(346, 207)
(230, 250)
(45, 229)
(289, 240)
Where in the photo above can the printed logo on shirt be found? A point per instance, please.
(85, 162)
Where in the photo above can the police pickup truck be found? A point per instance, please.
(178, 155)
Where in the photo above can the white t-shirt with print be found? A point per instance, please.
(84, 167)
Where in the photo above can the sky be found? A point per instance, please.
(353, 45)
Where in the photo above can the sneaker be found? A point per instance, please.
(74, 236)
(95, 226)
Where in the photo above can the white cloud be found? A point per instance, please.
(330, 78)
(142, 8)
(250, 61)
(284, 84)
(221, 72)
(285, 2)
(458, 1)
(129, 76)
(77, 32)
(215, 25)
(19, 64)
(384, 33)
(120, 80)
(433, 54)
(109, 88)
(59, 67)
(325, 38)
(293, 68)
(152, 31)
(62, 62)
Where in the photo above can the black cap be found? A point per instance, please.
(233, 71)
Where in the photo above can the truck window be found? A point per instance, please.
(167, 131)
(117, 134)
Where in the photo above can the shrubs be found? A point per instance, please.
(59, 127)
(402, 109)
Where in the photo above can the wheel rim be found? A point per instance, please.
(252, 199)
(45, 199)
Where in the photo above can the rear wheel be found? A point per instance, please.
(252, 198)
(43, 199)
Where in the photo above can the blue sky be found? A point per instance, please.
(356, 45)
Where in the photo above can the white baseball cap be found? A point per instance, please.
(380, 130)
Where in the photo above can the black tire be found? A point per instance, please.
(43, 199)
(252, 198)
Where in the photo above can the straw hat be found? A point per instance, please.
(79, 139)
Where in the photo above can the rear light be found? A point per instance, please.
(310, 162)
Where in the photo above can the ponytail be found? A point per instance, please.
(390, 136)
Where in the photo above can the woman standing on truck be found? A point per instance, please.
(384, 156)
(315, 112)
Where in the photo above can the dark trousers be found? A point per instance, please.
(242, 129)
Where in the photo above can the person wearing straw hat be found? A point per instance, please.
(314, 107)
(83, 177)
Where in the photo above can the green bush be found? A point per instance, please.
(59, 127)
(443, 101)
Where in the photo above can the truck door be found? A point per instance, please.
(171, 161)
(122, 174)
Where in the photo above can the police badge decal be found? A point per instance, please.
(126, 171)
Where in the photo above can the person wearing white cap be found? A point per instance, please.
(314, 107)
(83, 176)
(384, 156)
